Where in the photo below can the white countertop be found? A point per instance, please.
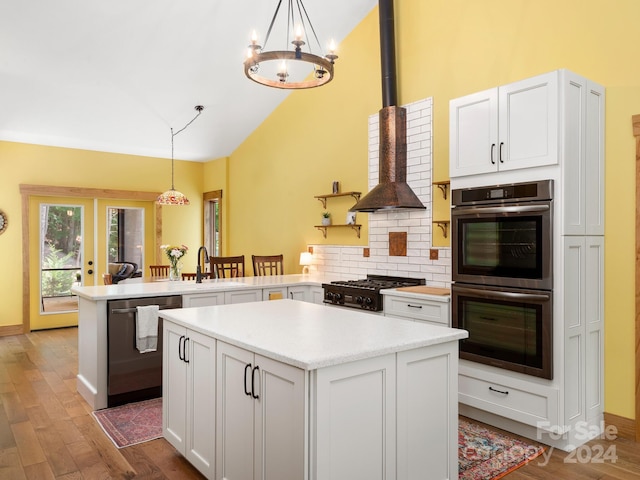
(164, 288)
(414, 295)
(310, 336)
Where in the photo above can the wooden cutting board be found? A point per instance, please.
(425, 290)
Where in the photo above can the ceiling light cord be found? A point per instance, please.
(199, 108)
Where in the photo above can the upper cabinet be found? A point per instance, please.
(505, 128)
(550, 126)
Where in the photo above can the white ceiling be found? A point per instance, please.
(116, 75)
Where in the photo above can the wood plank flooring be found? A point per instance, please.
(47, 430)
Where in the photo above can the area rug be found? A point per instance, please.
(488, 455)
(132, 423)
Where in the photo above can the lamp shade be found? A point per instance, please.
(172, 197)
(305, 261)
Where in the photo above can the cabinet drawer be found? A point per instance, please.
(417, 309)
(526, 403)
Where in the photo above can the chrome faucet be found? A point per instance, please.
(199, 268)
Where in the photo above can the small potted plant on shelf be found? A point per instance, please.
(326, 218)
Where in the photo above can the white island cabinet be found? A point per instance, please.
(304, 392)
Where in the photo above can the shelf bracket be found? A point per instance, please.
(444, 226)
(356, 196)
(356, 228)
(323, 200)
(443, 186)
(323, 230)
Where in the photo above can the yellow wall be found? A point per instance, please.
(446, 48)
(33, 164)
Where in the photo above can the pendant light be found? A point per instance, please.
(172, 196)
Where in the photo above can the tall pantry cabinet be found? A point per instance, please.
(550, 126)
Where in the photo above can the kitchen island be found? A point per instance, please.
(93, 313)
(295, 390)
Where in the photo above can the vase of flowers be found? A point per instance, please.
(174, 254)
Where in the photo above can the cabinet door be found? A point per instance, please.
(355, 421)
(234, 413)
(174, 386)
(316, 295)
(242, 296)
(299, 292)
(427, 416)
(279, 421)
(201, 413)
(528, 123)
(473, 133)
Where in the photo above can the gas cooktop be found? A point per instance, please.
(364, 293)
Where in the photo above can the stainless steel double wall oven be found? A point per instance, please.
(502, 273)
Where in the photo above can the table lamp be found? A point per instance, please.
(305, 261)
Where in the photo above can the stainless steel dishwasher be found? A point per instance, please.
(133, 376)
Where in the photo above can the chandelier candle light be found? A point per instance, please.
(173, 197)
(278, 76)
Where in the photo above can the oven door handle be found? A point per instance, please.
(496, 294)
(502, 209)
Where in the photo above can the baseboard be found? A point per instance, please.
(11, 330)
(626, 427)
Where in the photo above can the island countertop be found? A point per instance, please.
(309, 336)
(162, 288)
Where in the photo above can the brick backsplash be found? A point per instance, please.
(349, 261)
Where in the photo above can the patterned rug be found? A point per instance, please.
(488, 455)
(132, 423)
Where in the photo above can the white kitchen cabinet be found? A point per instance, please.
(361, 445)
(582, 188)
(260, 431)
(242, 296)
(427, 426)
(203, 299)
(188, 393)
(433, 309)
(505, 128)
(316, 295)
(583, 327)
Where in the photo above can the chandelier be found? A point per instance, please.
(290, 69)
(172, 196)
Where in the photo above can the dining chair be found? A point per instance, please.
(159, 270)
(192, 276)
(227, 267)
(267, 265)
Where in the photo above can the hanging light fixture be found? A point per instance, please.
(277, 68)
(173, 197)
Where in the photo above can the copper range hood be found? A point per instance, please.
(392, 191)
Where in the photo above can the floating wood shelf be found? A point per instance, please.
(323, 198)
(444, 226)
(443, 186)
(323, 228)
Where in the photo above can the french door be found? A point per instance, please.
(61, 256)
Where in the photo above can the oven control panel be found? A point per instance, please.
(362, 300)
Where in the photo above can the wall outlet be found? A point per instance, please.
(433, 254)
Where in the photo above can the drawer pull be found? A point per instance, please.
(413, 306)
(499, 391)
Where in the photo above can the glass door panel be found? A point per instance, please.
(62, 253)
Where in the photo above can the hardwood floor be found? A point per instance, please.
(47, 430)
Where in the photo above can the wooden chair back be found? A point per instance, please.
(192, 276)
(227, 267)
(159, 270)
(267, 265)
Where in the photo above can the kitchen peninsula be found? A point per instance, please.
(93, 314)
(297, 390)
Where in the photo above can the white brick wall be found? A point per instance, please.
(349, 260)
